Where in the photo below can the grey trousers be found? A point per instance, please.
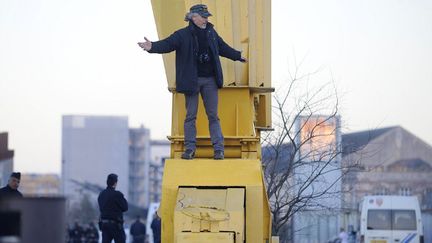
(209, 93)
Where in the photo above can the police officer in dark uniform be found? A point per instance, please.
(11, 189)
(112, 204)
(156, 228)
(138, 231)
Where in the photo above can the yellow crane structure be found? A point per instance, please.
(206, 200)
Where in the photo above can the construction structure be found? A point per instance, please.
(206, 200)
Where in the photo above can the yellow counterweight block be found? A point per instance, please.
(214, 201)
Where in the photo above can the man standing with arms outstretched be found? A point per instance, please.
(198, 71)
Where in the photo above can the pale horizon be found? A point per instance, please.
(81, 58)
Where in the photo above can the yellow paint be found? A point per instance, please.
(225, 237)
(204, 200)
(211, 210)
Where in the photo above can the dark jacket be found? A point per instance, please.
(138, 231)
(156, 228)
(112, 204)
(7, 191)
(184, 42)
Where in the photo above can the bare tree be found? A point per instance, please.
(302, 156)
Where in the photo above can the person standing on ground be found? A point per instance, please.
(156, 228)
(112, 205)
(138, 231)
(198, 71)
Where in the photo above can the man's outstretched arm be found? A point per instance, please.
(166, 45)
(147, 45)
(227, 51)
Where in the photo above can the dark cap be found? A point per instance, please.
(16, 175)
(112, 179)
(200, 9)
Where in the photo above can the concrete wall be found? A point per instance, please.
(160, 150)
(320, 155)
(139, 163)
(427, 226)
(34, 220)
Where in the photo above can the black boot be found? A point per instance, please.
(188, 154)
(218, 155)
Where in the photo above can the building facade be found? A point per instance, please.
(160, 150)
(392, 161)
(306, 167)
(139, 165)
(319, 167)
(6, 159)
(92, 148)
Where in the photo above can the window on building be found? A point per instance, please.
(405, 191)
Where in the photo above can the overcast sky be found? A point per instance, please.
(80, 57)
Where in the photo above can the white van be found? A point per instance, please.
(390, 219)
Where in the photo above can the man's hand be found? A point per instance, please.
(147, 45)
(243, 59)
